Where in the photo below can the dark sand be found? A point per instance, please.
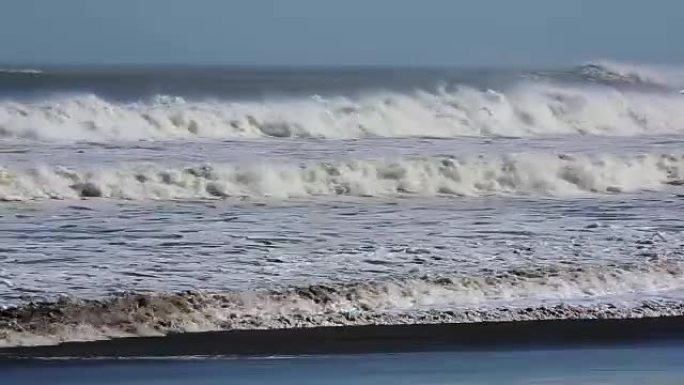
(375, 339)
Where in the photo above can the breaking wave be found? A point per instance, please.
(535, 174)
(530, 109)
(514, 295)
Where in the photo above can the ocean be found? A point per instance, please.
(143, 201)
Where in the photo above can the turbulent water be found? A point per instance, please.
(142, 201)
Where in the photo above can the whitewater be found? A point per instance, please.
(514, 174)
(155, 200)
(611, 101)
(525, 110)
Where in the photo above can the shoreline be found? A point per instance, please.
(373, 339)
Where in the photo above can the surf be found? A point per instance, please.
(528, 109)
(516, 174)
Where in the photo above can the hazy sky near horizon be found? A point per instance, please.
(322, 32)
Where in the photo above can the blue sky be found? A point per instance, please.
(323, 32)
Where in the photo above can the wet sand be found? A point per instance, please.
(641, 363)
(375, 339)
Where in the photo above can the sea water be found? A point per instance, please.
(147, 200)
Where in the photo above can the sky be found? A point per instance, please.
(342, 32)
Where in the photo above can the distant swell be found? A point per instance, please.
(609, 72)
(515, 174)
(20, 71)
(529, 109)
(525, 294)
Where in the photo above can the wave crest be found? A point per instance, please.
(526, 110)
(614, 73)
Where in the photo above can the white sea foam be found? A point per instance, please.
(530, 109)
(479, 175)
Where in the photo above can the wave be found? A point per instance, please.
(610, 72)
(526, 110)
(25, 71)
(525, 294)
(535, 174)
